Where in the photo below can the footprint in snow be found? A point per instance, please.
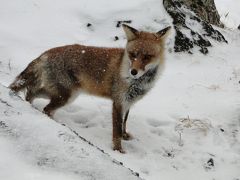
(158, 132)
(157, 123)
(84, 122)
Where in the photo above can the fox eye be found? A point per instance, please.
(132, 55)
(147, 57)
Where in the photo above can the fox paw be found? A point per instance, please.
(117, 145)
(127, 136)
(48, 113)
(119, 150)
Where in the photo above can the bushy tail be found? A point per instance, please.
(24, 79)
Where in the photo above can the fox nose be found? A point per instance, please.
(134, 72)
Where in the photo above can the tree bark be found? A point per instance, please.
(192, 21)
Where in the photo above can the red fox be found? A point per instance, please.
(123, 75)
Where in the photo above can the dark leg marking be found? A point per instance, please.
(29, 96)
(125, 135)
(34, 93)
(54, 104)
(57, 101)
(117, 127)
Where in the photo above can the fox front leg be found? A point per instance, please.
(125, 135)
(117, 127)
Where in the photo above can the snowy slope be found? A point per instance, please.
(187, 127)
(36, 147)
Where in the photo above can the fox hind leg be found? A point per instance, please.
(29, 96)
(33, 92)
(57, 101)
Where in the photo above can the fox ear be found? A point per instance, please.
(130, 32)
(164, 32)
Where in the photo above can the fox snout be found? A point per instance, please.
(136, 73)
(136, 70)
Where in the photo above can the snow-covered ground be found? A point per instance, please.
(229, 12)
(187, 127)
(36, 147)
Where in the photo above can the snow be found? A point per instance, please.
(191, 115)
(229, 12)
(33, 145)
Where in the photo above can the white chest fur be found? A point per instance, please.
(139, 87)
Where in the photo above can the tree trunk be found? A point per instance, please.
(192, 21)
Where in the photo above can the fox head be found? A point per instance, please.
(144, 50)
